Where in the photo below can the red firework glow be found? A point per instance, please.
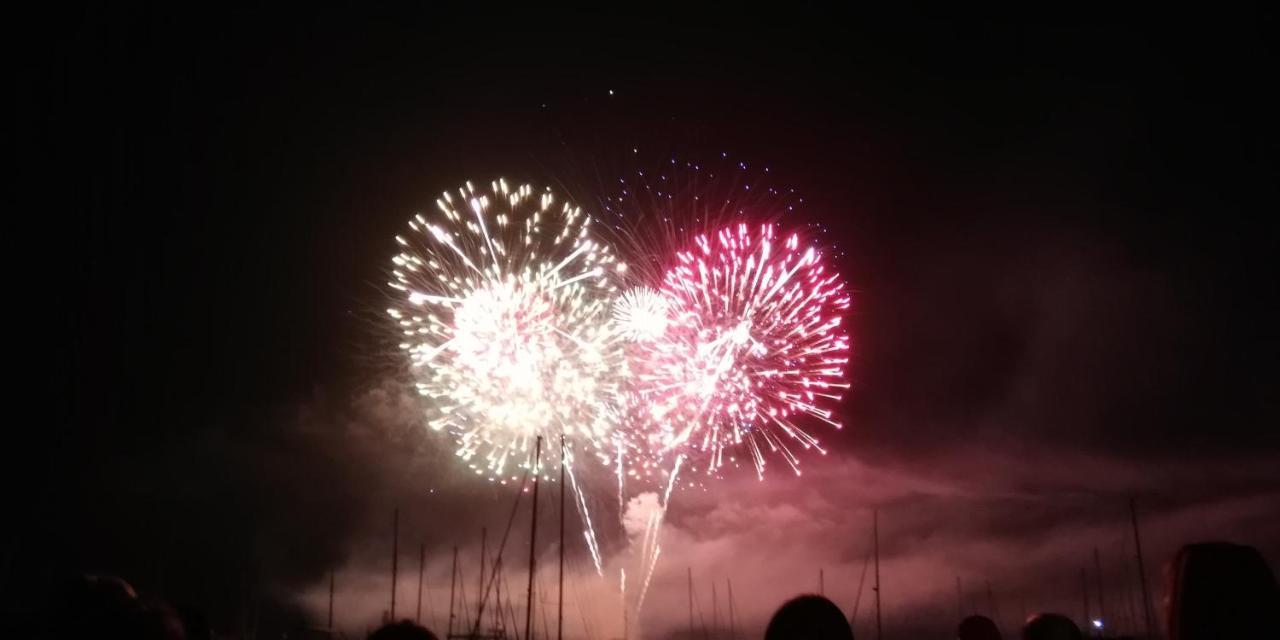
(752, 342)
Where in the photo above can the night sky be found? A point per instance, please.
(1058, 232)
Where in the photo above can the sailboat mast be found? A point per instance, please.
(395, 556)
(875, 536)
(1142, 571)
(453, 587)
(533, 539)
(560, 598)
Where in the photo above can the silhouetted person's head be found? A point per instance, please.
(403, 630)
(809, 617)
(159, 621)
(1221, 590)
(977, 628)
(1050, 626)
(95, 606)
(195, 623)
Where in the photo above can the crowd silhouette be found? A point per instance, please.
(977, 628)
(1213, 591)
(809, 616)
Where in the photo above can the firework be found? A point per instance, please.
(752, 345)
(503, 305)
(722, 340)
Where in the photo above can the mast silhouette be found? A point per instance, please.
(1084, 593)
(991, 602)
(1102, 601)
(732, 632)
(395, 556)
(480, 592)
(690, 601)
(453, 587)
(875, 536)
(422, 565)
(715, 611)
(533, 539)
(1142, 570)
(560, 598)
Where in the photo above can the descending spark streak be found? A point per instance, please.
(654, 549)
(644, 590)
(589, 531)
(650, 549)
(671, 482)
(621, 480)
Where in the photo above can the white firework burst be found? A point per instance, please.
(503, 307)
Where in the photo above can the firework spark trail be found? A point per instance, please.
(651, 550)
(671, 482)
(622, 506)
(648, 539)
(589, 531)
(644, 589)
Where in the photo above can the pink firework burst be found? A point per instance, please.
(753, 349)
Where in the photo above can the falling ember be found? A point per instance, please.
(504, 309)
(752, 345)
